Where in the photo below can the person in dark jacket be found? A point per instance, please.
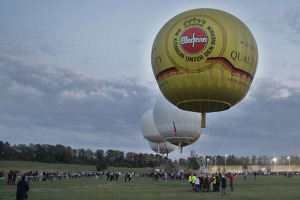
(223, 181)
(22, 189)
(218, 181)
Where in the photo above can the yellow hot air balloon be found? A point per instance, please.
(204, 60)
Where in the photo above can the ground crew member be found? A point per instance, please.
(190, 180)
(214, 184)
(194, 178)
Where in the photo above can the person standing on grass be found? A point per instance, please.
(201, 183)
(214, 181)
(223, 181)
(197, 185)
(107, 175)
(194, 178)
(245, 175)
(218, 181)
(22, 189)
(190, 179)
(10, 177)
(231, 177)
(14, 177)
(207, 181)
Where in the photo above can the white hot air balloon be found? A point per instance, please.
(163, 148)
(156, 141)
(179, 127)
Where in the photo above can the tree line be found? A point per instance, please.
(65, 154)
(115, 158)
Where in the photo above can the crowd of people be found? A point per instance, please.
(12, 177)
(214, 183)
(156, 175)
(34, 175)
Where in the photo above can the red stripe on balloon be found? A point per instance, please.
(222, 60)
(166, 72)
(231, 67)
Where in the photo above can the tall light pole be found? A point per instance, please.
(274, 160)
(215, 162)
(289, 158)
(225, 163)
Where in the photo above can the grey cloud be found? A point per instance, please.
(285, 23)
(87, 111)
(60, 100)
(264, 123)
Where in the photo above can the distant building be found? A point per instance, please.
(193, 154)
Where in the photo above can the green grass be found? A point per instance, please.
(265, 187)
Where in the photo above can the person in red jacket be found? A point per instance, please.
(231, 177)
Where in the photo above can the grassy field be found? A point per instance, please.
(39, 166)
(265, 187)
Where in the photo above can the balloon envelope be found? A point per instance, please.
(149, 130)
(179, 127)
(163, 148)
(204, 60)
(156, 142)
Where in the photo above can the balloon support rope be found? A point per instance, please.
(203, 120)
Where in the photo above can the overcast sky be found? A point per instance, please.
(78, 73)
